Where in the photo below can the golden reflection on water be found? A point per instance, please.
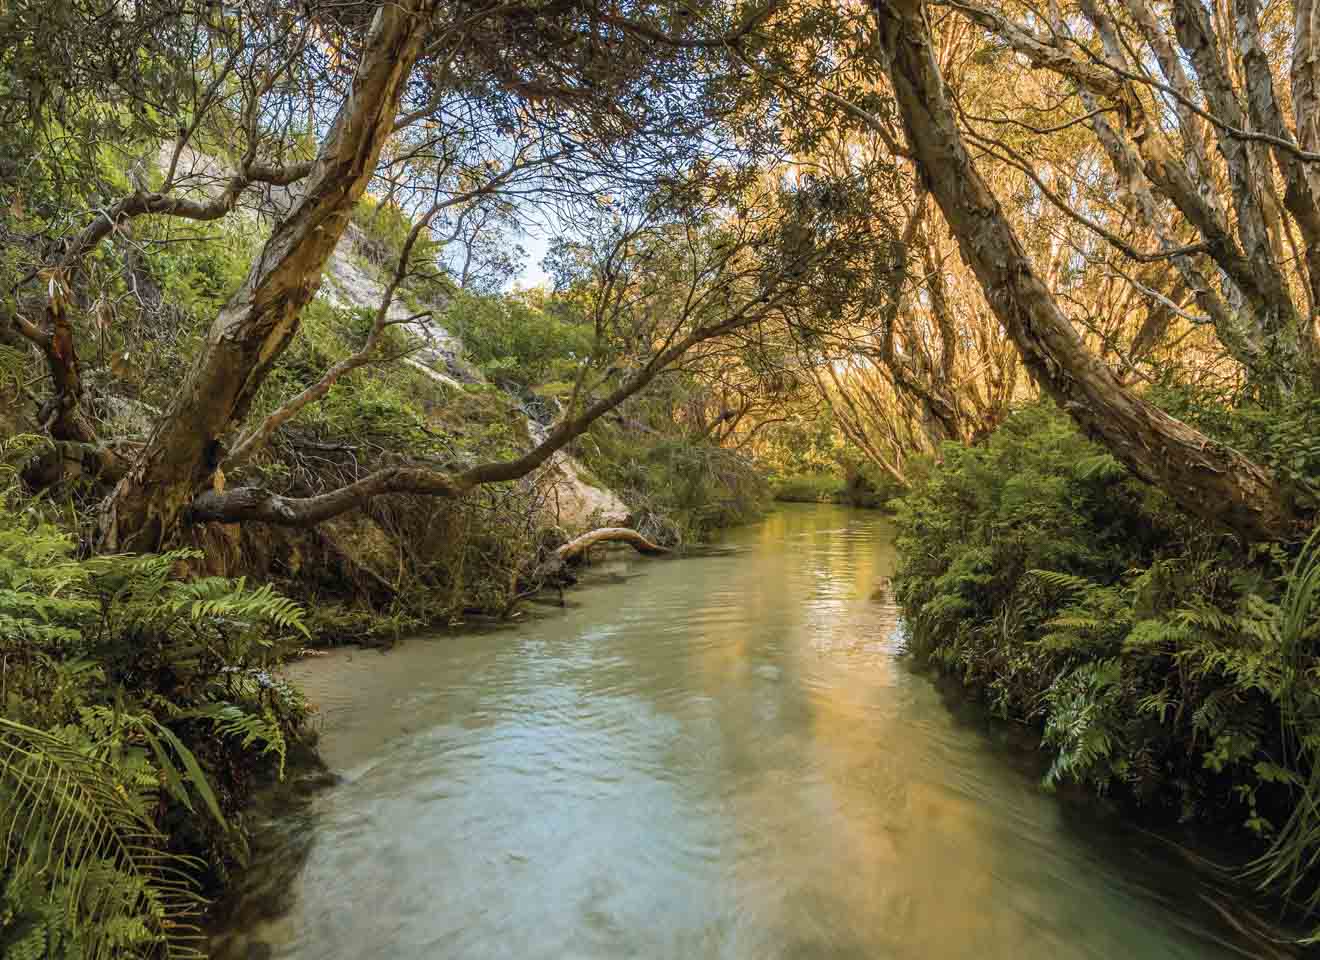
(722, 757)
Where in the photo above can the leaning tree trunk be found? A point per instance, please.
(1205, 477)
(261, 318)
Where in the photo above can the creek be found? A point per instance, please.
(717, 757)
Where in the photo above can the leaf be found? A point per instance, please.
(67, 811)
(196, 776)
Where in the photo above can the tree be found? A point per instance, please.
(434, 107)
(1208, 213)
(1203, 476)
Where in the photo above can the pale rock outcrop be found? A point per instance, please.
(350, 281)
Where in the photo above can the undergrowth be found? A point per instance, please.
(1164, 663)
(140, 708)
(808, 488)
(680, 489)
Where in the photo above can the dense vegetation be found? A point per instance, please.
(258, 348)
(139, 710)
(1163, 663)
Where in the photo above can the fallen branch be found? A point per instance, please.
(607, 534)
(553, 570)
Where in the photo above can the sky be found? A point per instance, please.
(536, 244)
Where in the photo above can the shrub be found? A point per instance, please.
(809, 488)
(138, 709)
(679, 489)
(1161, 661)
(866, 485)
(515, 341)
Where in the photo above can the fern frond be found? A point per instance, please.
(1099, 466)
(1063, 582)
(223, 599)
(64, 814)
(249, 728)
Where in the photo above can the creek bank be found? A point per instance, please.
(859, 485)
(738, 741)
(1274, 927)
(1160, 663)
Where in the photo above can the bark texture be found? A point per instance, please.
(259, 321)
(609, 535)
(1206, 478)
(1257, 318)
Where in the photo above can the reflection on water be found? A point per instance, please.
(720, 758)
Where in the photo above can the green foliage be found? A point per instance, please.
(1282, 436)
(138, 706)
(866, 485)
(679, 489)
(85, 847)
(1161, 661)
(808, 488)
(515, 339)
(385, 228)
(803, 446)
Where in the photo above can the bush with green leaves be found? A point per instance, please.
(680, 489)
(139, 708)
(808, 488)
(867, 485)
(1162, 662)
(519, 338)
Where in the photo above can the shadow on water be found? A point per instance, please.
(725, 757)
(1172, 867)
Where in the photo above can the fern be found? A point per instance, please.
(221, 599)
(248, 728)
(67, 817)
(1155, 654)
(1293, 625)
(1061, 582)
(1082, 726)
(1099, 466)
(117, 670)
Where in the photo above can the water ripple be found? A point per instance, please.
(721, 758)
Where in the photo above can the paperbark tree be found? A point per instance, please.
(1241, 270)
(1205, 477)
(262, 316)
(568, 88)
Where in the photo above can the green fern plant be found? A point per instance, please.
(1291, 628)
(1082, 725)
(132, 698)
(111, 886)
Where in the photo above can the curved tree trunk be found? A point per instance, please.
(260, 319)
(1205, 477)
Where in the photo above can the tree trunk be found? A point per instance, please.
(1205, 477)
(261, 318)
(1288, 342)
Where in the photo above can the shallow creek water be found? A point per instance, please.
(716, 757)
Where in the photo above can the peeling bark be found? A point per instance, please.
(1206, 478)
(1289, 345)
(1301, 179)
(261, 318)
(1266, 325)
(1229, 327)
(62, 416)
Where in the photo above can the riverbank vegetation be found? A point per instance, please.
(1166, 664)
(1044, 281)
